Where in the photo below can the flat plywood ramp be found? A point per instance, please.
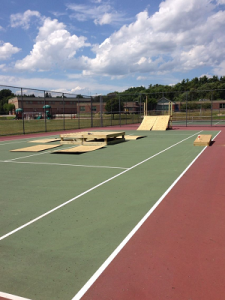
(43, 141)
(36, 148)
(155, 123)
(203, 140)
(79, 149)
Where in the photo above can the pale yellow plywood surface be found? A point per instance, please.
(161, 123)
(203, 140)
(36, 148)
(147, 123)
(134, 137)
(42, 141)
(79, 149)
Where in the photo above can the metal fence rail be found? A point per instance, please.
(47, 111)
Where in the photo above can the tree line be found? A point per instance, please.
(204, 88)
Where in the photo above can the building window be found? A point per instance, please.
(222, 105)
(82, 108)
(94, 108)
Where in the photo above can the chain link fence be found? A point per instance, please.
(25, 110)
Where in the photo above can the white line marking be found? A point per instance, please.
(91, 189)
(95, 276)
(56, 164)
(12, 297)
(21, 140)
(42, 152)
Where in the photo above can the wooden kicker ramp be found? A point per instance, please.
(155, 123)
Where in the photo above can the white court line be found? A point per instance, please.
(56, 164)
(95, 276)
(91, 189)
(42, 152)
(12, 297)
(21, 140)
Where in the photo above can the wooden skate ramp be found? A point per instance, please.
(43, 141)
(203, 140)
(161, 123)
(36, 148)
(79, 149)
(147, 123)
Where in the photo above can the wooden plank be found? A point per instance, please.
(203, 140)
(162, 123)
(79, 149)
(147, 123)
(36, 148)
(103, 134)
(45, 140)
(134, 137)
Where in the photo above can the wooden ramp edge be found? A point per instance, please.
(79, 149)
(43, 141)
(203, 140)
(134, 137)
(147, 123)
(36, 148)
(161, 123)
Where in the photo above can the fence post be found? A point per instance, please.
(111, 110)
(23, 110)
(45, 113)
(101, 110)
(119, 111)
(139, 117)
(79, 113)
(186, 109)
(211, 108)
(63, 111)
(91, 113)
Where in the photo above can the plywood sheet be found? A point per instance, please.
(79, 149)
(147, 123)
(203, 140)
(134, 137)
(43, 141)
(36, 148)
(161, 123)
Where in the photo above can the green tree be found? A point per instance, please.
(114, 106)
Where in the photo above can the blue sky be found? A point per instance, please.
(96, 47)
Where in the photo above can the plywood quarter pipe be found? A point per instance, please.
(147, 123)
(161, 123)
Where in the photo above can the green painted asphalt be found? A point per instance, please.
(55, 256)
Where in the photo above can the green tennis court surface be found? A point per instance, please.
(77, 209)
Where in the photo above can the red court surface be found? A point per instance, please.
(178, 253)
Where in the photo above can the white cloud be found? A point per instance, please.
(181, 36)
(221, 2)
(65, 86)
(101, 14)
(55, 47)
(7, 50)
(220, 69)
(105, 19)
(24, 19)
